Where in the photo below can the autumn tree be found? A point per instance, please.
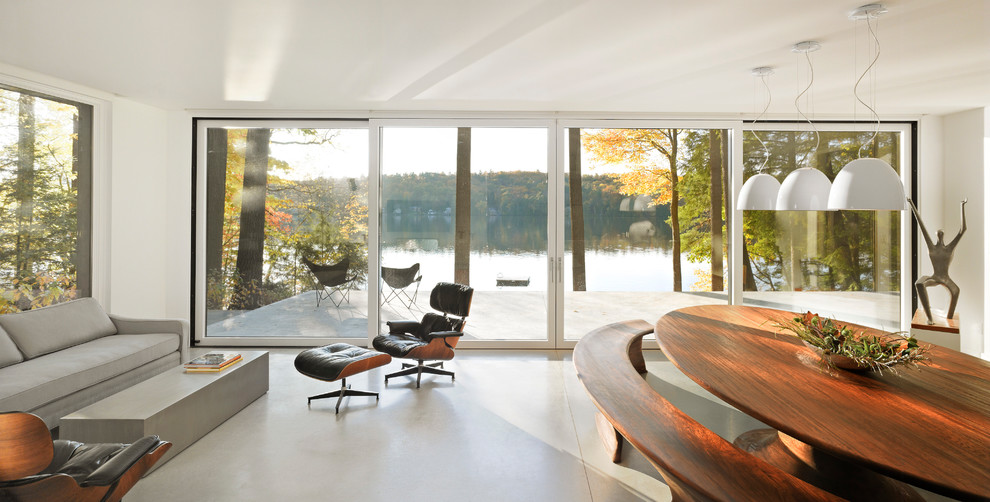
(651, 155)
(251, 245)
(216, 184)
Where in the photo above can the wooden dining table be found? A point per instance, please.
(928, 425)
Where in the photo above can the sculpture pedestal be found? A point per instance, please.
(945, 332)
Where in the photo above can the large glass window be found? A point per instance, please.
(45, 195)
(845, 264)
(286, 240)
(558, 234)
(645, 223)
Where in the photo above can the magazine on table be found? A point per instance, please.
(213, 361)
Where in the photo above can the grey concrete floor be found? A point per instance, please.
(515, 425)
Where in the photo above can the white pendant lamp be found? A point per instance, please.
(759, 193)
(806, 189)
(869, 184)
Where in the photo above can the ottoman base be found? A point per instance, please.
(337, 362)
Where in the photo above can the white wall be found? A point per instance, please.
(963, 178)
(139, 257)
(931, 195)
(178, 226)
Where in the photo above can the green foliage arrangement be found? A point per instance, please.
(860, 350)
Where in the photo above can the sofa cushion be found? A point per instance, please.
(8, 351)
(35, 382)
(45, 330)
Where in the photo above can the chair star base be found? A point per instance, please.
(345, 390)
(419, 369)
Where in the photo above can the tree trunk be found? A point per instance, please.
(675, 225)
(216, 180)
(251, 245)
(749, 280)
(24, 188)
(462, 202)
(577, 209)
(715, 168)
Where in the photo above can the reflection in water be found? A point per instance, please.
(519, 234)
(625, 252)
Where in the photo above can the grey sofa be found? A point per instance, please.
(56, 360)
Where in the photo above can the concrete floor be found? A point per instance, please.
(515, 425)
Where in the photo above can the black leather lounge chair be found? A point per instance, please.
(33, 467)
(433, 338)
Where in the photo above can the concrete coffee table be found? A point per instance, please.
(179, 407)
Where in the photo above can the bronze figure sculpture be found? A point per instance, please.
(940, 254)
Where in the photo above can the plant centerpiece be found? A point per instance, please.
(840, 347)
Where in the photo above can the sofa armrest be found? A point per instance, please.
(134, 326)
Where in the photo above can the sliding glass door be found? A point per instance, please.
(467, 203)
(311, 232)
(644, 221)
(283, 252)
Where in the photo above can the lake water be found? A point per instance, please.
(631, 252)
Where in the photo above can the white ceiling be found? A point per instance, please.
(655, 56)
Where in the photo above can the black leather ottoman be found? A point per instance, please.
(337, 362)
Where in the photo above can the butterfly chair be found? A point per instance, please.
(398, 279)
(433, 338)
(331, 279)
(33, 467)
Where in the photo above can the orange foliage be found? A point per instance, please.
(645, 151)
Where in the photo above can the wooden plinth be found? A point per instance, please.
(920, 321)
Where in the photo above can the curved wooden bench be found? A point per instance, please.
(696, 463)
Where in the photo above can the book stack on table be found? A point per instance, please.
(212, 362)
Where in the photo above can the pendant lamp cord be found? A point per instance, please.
(766, 149)
(811, 81)
(876, 56)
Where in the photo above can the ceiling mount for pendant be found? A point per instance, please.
(868, 11)
(762, 71)
(806, 46)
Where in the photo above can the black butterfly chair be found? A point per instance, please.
(331, 279)
(398, 279)
(33, 467)
(433, 338)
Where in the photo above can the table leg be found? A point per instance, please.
(840, 477)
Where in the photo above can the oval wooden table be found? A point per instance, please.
(928, 426)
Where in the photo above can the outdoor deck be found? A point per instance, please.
(522, 315)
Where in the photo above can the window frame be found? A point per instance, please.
(94, 199)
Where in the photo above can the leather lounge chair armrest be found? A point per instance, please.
(442, 334)
(114, 468)
(411, 327)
